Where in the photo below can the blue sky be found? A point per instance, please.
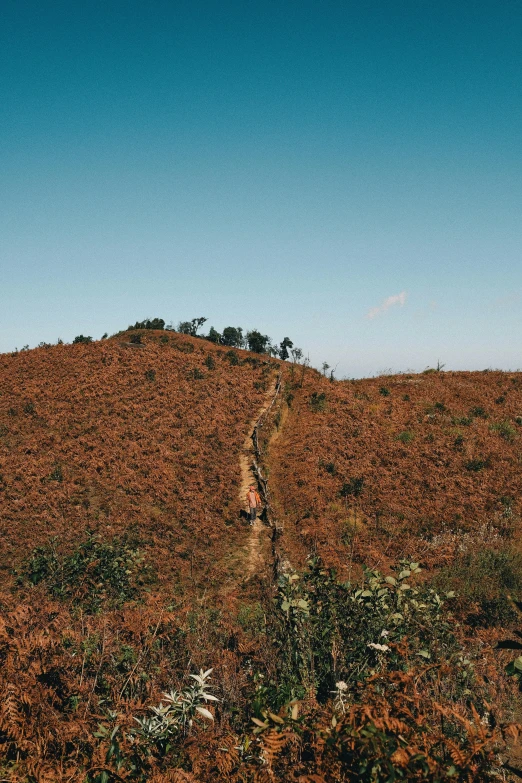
(345, 173)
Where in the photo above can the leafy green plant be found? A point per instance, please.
(129, 751)
(95, 573)
(406, 436)
(176, 716)
(384, 391)
(364, 627)
(478, 412)
(210, 362)
(135, 339)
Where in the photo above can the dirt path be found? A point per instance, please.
(257, 540)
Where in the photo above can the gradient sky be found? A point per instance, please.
(345, 173)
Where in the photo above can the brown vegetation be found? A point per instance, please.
(123, 553)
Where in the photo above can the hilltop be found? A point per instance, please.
(126, 564)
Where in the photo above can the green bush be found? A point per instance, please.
(353, 487)
(209, 362)
(81, 339)
(315, 613)
(405, 437)
(476, 465)
(135, 339)
(232, 357)
(318, 402)
(94, 574)
(150, 375)
(384, 391)
(149, 323)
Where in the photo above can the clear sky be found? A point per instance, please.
(347, 173)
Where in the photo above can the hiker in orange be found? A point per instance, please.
(254, 502)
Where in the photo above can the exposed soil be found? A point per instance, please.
(258, 549)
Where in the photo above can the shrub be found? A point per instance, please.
(95, 573)
(475, 465)
(318, 402)
(148, 323)
(196, 374)
(505, 429)
(483, 581)
(365, 624)
(384, 391)
(81, 339)
(164, 339)
(405, 437)
(209, 362)
(232, 357)
(150, 375)
(135, 339)
(29, 408)
(458, 443)
(352, 488)
(478, 412)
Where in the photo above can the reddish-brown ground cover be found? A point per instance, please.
(115, 436)
(423, 460)
(112, 435)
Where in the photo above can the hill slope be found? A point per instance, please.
(125, 566)
(115, 435)
(411, 463)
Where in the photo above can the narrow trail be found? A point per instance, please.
(258, 540)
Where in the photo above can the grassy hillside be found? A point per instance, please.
(406, 464)
(125, 569)
(114, 436)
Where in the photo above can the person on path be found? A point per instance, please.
(253, 501)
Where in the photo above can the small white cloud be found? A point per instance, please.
(391, 301)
